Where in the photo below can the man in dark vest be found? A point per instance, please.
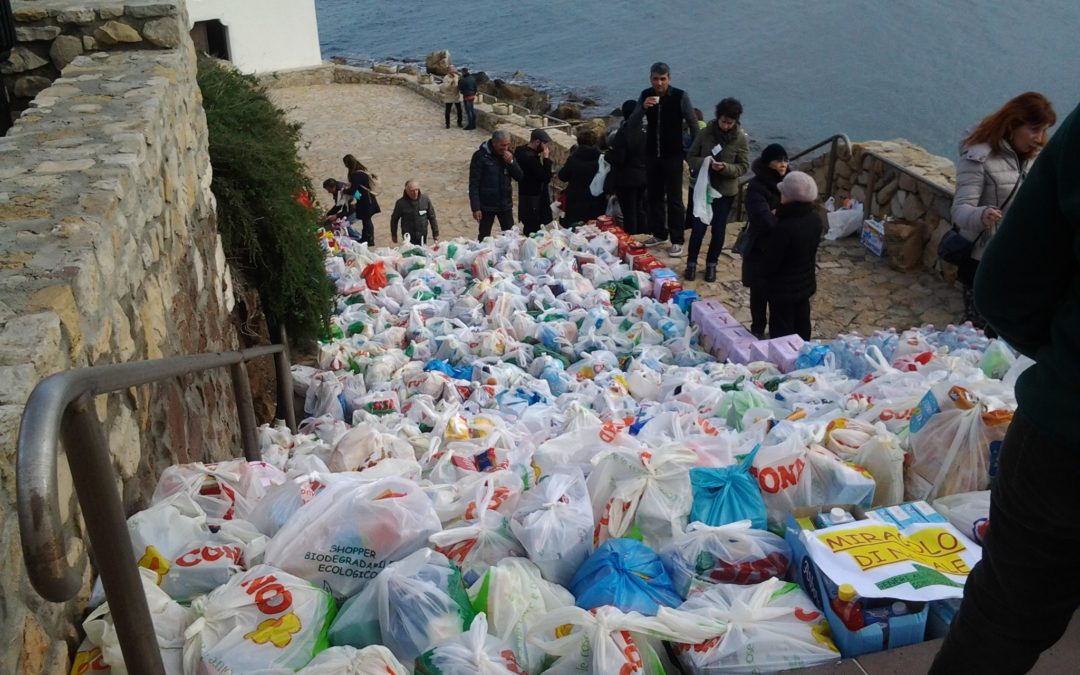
(665, 109)
(537, 169)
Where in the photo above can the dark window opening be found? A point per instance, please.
(211, 37)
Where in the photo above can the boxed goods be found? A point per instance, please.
(872, 236)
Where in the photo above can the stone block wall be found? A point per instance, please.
(109, 253)
(907, 182)
(51, 33)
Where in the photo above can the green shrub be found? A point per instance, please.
(267, 235)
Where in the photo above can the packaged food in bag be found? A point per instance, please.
(364, 446)
(554, 523)
(647, 489)
(478, 544)
(412, 605)
(100, 651)
(767, 627)
(262, 619)
(473, 653)
(727, 495)
(968, 512)
(601, 640)
(347, 533)
(876, 449)
(514, 596)
(375, 660)
(224, 490)
(626, 574)
(834, 481)
(729, 554)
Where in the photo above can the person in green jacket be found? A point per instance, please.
(414, 211)
(720, 152)
(1020, 598)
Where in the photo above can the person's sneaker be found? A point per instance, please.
(675, 251)
(652, 241)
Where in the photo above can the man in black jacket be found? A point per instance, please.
(536, 167)
(490, 192)
(627, 158)
(665, 108)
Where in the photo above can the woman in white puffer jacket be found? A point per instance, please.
(994, 158)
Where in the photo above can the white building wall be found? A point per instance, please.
(265, 35)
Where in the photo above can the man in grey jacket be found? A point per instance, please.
(414, 211)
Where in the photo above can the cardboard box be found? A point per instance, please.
(783, 351)
(668, 289)
(873, 237)
(661, 273)
(903, 630)
(703, 307)
(686, 299)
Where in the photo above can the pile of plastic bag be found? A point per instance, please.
(515, 460)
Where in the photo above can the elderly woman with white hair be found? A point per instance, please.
(789, 266)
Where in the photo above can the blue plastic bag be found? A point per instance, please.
(727, 495)
(626, 574)
(461, 373)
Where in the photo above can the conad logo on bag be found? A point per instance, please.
(155, 562)
(271, 597)
(210, 554)
(773, 480)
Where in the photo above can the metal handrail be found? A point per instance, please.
(62, 405)
(832, 141)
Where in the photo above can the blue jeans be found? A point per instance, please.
(470, 113)
(720, 209)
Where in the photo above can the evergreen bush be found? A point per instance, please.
(267, 234)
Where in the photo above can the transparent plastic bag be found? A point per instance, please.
(554, 523)
(729, 554)
(411, 606)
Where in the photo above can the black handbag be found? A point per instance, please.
(954, 248)
(742, 241)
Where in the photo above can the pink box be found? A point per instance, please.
(739, 351)
(759, 351)
(731, 339)
(784, 350)
(703, 307)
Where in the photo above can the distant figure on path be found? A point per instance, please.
(665, 109)
(367, 204)
(534, 200)
(994, 158)
(762, 201)
(720, 154)
(627, 155)
(414, 211)
(491, 195)
(790, 262)
(451, 95)
(1026, 288)
(467, 86)
(578, 173)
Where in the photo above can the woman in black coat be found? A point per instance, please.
(366, 203)
(578, 174)
(762, 200)
(789, 266)
(627, 160)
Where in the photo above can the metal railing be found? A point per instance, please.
(832, 141)
(62, 407)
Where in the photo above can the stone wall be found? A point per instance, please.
(896, 179)
(51, 33)
(109, 253)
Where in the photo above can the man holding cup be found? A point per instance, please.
(665, 109)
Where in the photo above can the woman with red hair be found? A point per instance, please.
(994, 159)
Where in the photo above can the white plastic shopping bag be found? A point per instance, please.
(375, 660)
(554, 523)
(100, 652)
(750, 629)
(727, 554)
(262, 619)
(347, 533)
(476, 652)
(596, 187)
(598, 641)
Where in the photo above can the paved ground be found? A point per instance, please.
(400, 135)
